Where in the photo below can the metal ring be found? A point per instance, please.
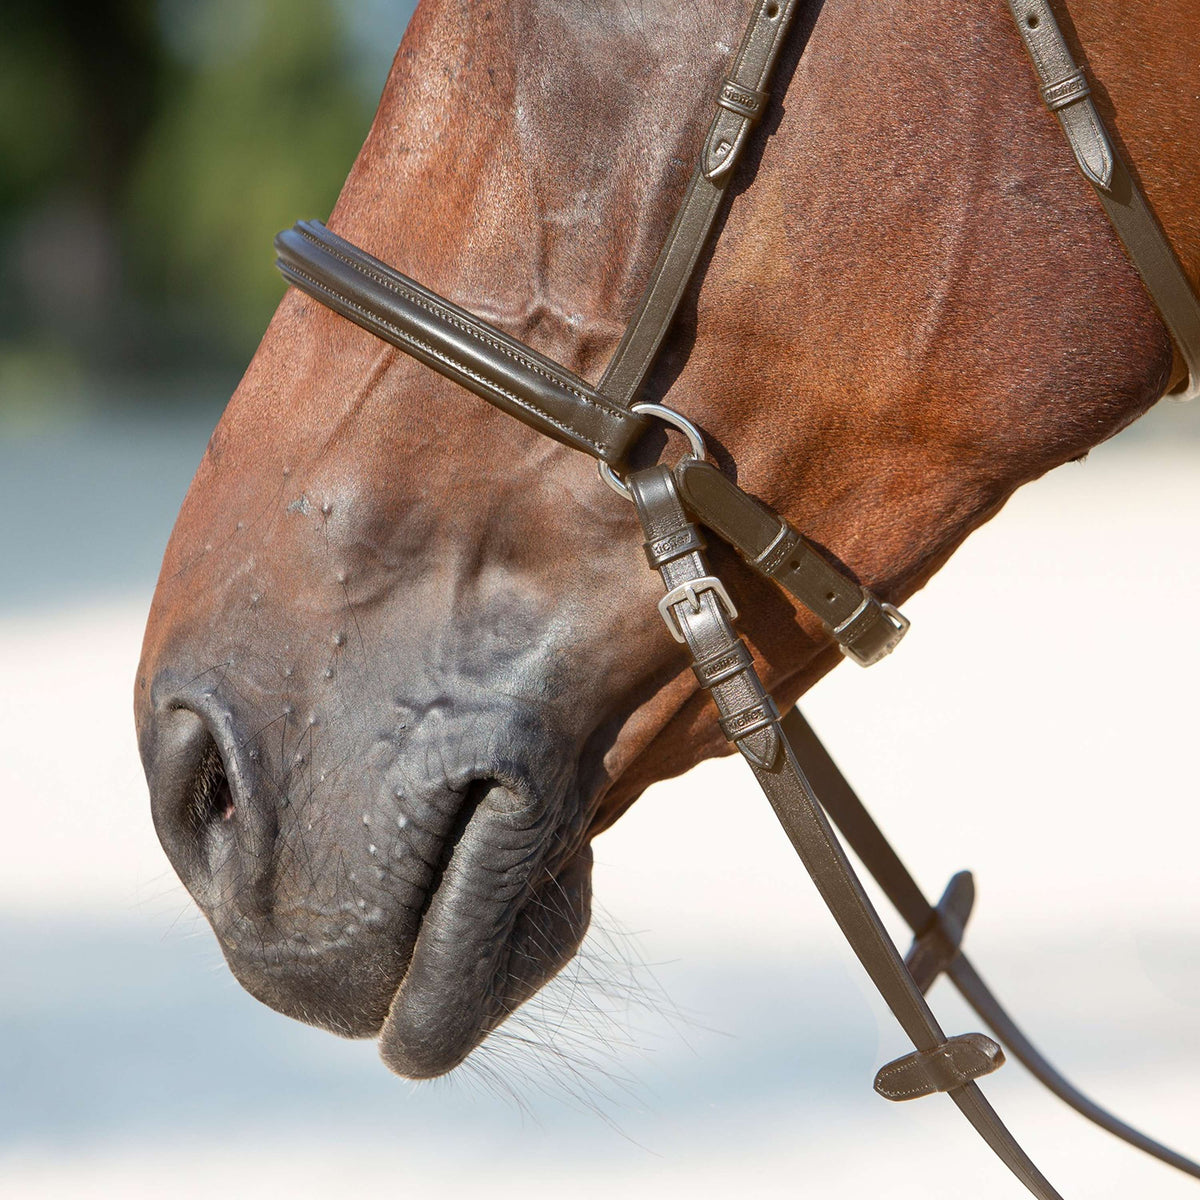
(670, 417)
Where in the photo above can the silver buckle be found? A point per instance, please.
(898, 621)
(689, 591)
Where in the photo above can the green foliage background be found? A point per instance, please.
(149, 150)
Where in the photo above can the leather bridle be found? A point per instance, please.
(605, 421)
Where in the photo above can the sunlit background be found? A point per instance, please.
(715, 1037)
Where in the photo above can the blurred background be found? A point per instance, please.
(714, 1036)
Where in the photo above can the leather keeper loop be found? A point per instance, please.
(673, 545)
(746, 721)
(936, 945)
(778, 552)
(1066, 91)
(723, 666)
(746, 102)
(871, 632)
(860, 622)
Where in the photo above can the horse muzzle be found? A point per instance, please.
(418, 895)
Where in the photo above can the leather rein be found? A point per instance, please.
(803, 784)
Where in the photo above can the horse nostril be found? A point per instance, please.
(201, 805)
(211, 798)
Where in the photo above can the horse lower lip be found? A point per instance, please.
(440, 1004)
(454, 989)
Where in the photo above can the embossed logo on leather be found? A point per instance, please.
(743, 100)
(714, 666)
(672, 544)
(747, 716)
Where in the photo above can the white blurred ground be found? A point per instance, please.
(1041, 716)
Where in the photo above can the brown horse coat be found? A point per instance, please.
(404, 659)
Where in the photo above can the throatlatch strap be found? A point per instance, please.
(750, 721)
(740, 103)
(1065, 91)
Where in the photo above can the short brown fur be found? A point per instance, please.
(915, 305)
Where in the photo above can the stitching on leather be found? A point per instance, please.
(904, 1093)
(920, 1088)
(470, 330)
(433, 352)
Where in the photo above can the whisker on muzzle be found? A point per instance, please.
(579, 1039)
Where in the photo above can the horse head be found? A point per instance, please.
(403, 661)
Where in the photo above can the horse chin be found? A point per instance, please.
(457, 987)
(500, 925)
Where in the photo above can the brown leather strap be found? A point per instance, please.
(809, 832)
(504, 371)
(697, 611)
(1160, 270)
(1065, 91)
(865, 629)
(944, 924)
(740, 102)
(462, 347)
(703, 620)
